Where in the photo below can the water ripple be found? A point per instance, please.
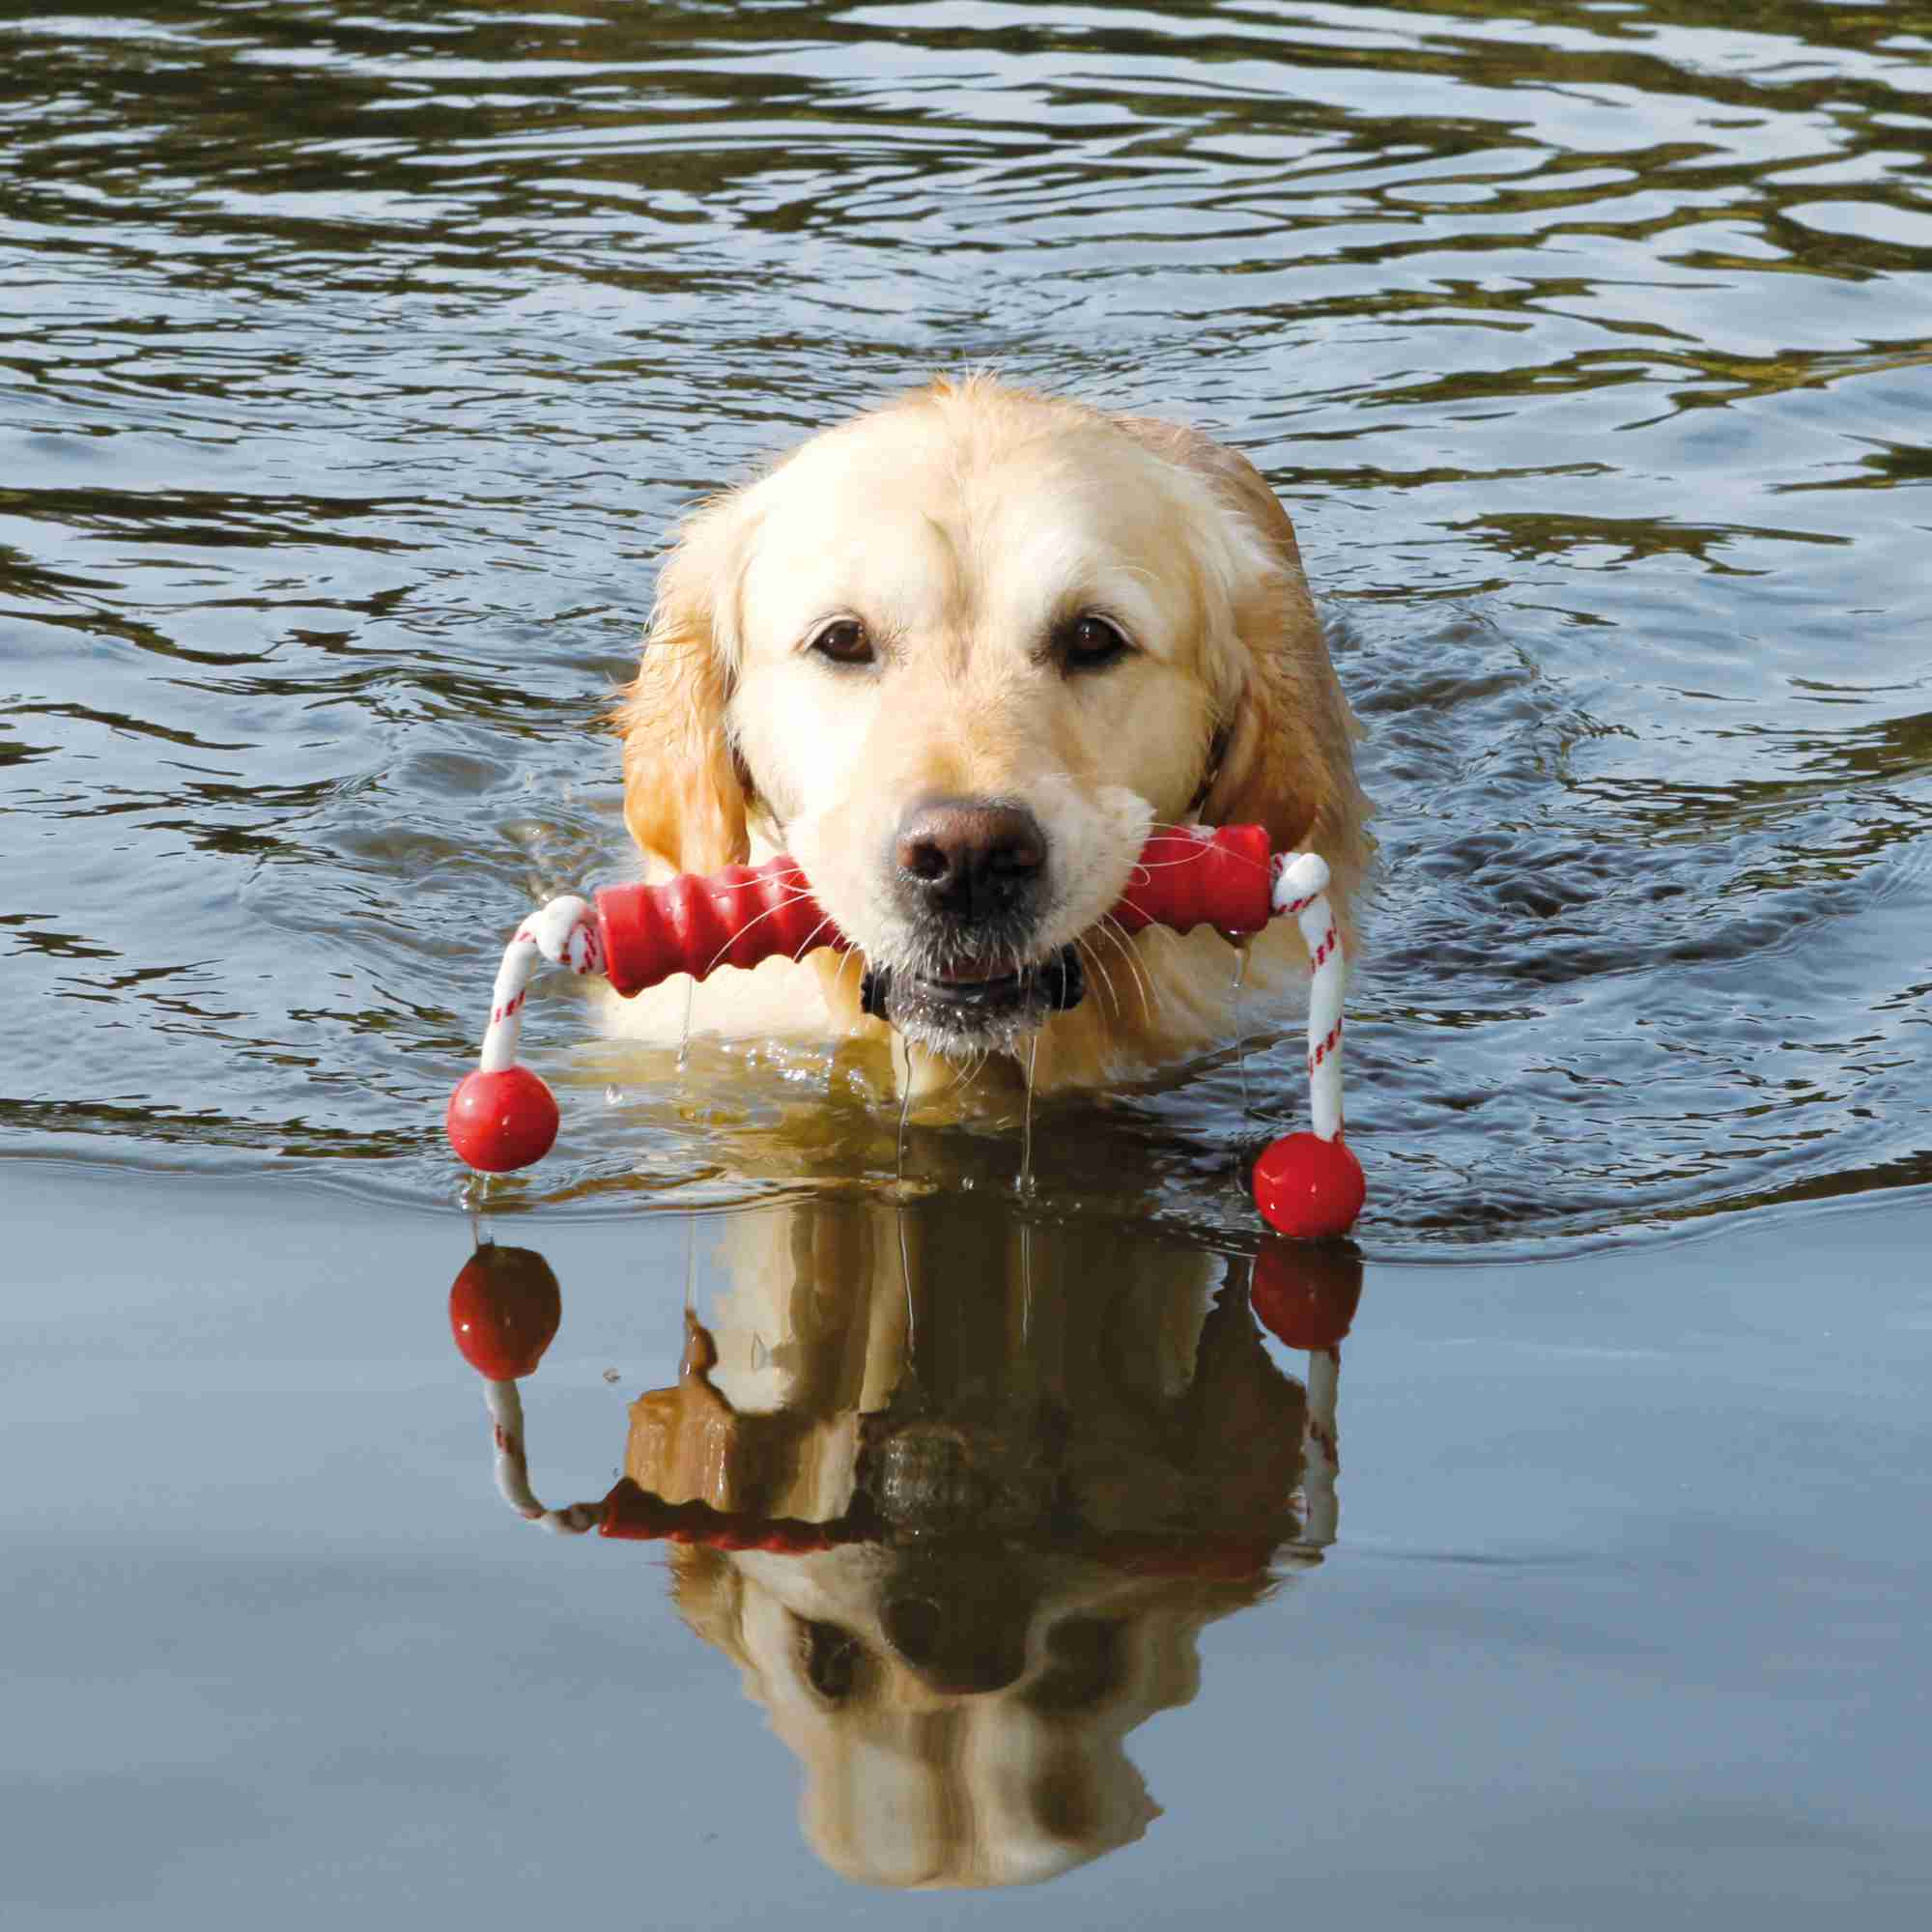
(354, 368)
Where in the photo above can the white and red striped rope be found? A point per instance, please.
(562, 931)
(1301, 888)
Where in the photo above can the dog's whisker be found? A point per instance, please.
(1169, 937)
(782, 905)
(1151, 987)
(1110, 927)
(1144, 868)
(1112, 986)
(1225, 855)
(1100, 973)
(805, 945)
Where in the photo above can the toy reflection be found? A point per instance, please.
(956, 1493)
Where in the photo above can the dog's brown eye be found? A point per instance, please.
(1089, 643)
(844, 641)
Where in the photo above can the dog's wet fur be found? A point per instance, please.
(958, 657)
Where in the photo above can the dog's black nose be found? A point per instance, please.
(968, 857)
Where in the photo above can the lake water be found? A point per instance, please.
(353, 367)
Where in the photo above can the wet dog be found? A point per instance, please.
(958, 657)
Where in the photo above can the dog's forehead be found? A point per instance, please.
(1069, 528)
(855, 520)
(908, 522)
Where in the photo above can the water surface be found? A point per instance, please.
(357, 366)
(1621, 1610)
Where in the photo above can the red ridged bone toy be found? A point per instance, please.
(503, 1117)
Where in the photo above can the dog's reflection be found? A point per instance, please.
(957, 1494)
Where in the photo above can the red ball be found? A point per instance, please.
(503, 1311)
(1309, 1187)
(499, 1121)
(1307, 1293)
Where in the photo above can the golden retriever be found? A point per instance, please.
(957, 657)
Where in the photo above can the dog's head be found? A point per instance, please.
(958, 657)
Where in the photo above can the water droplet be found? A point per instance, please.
(905, 1112)
(1240, 1032)
(1025, 1187)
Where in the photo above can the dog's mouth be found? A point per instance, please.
(967, 999)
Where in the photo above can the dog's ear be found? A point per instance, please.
(1288, 759)
(1284, 755)
(684, 797)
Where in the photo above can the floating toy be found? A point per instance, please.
(503, 1117)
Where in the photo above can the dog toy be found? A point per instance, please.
(503, 1117)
